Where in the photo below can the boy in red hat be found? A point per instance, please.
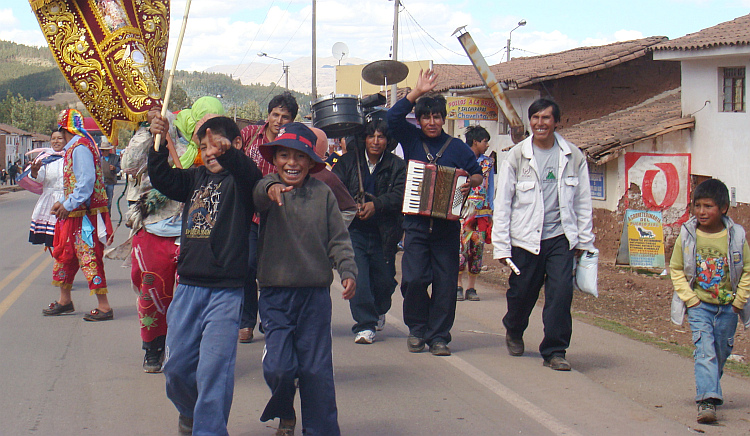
(294, 273)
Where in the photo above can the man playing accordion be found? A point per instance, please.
(431, 245)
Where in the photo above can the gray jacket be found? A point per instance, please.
(736, 237)
(298, 242)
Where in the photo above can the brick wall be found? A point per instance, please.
(602, 92)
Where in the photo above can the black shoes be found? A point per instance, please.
(558, 363)
(515, 346)
(459, 294)
(154, 358)
(184, 424)
(56, 309)
(440, 348)
(471, 294)
(414, 344)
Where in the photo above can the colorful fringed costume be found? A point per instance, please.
(77, 244)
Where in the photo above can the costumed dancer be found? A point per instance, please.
(47, 170)
(77, 243)
(476, 225)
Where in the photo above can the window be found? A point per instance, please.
(734, 89)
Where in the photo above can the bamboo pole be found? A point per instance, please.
(168, 92)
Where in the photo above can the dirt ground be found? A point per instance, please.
(636, 300)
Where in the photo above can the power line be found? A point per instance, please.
(251, 43)
(428, 34)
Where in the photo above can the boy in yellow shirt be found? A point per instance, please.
(710, 271)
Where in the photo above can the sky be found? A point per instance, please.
(232, 32)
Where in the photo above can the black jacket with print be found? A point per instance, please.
(216, 217)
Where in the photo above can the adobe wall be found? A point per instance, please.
(602, 92)
(608, 226)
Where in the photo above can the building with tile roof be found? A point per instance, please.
(14, 143)
(714, 64)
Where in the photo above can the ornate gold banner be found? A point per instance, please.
(112, 52)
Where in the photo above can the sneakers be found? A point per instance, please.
(365, 337)
(440, 348)
(246, 335)
(98, 315)
(184, 425)
(459, 294)
(154, 357)
(515, 346)
(414, 344)
(286, 427)
(706, 412)
(56, 309)
(558, 363)
(381, 322)
(471, 294)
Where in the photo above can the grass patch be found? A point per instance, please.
(736, 368)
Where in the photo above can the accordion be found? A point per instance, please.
(434, 190)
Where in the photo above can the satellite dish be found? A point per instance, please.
(340, 51)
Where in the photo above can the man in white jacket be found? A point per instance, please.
(542, 220)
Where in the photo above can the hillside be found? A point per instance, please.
(29, 71)
(234, 93)
(33, 73)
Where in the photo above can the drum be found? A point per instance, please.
(338, 115)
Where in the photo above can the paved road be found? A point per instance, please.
(64, 376)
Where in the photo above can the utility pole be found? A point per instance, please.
(314, 55)
(394, 87)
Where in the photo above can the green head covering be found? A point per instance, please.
(187, 119)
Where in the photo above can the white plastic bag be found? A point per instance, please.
(586, 272)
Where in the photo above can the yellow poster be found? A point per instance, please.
(471, 108)
(645, 238)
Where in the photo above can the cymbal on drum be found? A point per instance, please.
(385, 72)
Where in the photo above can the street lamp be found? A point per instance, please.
(284, 66)
(507, 48)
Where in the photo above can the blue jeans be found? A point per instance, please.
(201, 351)
(374, 282)
(713, 329)
(297, 325)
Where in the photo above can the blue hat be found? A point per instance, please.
(298, 137)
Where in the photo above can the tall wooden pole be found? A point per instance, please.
(314, 55)
(168, 92)
(394, 87)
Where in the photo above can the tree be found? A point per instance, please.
(250, 110)
(178, 99)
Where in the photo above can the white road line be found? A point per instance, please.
(499, 389)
